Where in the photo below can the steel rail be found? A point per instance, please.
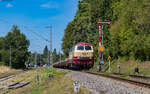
(9, 76)
(141, 84)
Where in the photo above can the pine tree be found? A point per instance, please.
(45, 51)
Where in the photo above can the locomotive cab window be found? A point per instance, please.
(88, 48)
(80, 48)
(72, 49)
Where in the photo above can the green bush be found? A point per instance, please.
(2, 63)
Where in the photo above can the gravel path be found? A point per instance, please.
(101, 85)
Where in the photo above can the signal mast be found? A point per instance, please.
(101, 45)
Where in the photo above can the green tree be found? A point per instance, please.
(78, 29)
(1, 47)
(19, 46)
(45, 55)
(132, 27)
(55, 56)
(1, 43)
(45, 51)
(128, 34)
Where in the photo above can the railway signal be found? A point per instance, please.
(101, 47)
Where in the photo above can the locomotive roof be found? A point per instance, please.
(83, 43)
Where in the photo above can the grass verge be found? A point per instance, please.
(6, 71)
(126, 67)
(60, 84)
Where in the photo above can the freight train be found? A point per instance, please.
(80, 57)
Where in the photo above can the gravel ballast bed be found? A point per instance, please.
(102, 85)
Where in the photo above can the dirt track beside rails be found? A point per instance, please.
(102, 85)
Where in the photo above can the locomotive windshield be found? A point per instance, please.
(80, 48)
(88, 48)
(84, 48)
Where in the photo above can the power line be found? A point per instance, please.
(28, 29)
(5, 21)
(44, 33)
(36, 33)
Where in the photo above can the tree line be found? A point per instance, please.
(43, 58)
(127, 36)
(14, 49)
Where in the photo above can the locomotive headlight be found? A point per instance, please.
(91, 57)
(76, 57)
(91, 62)
(78, 63)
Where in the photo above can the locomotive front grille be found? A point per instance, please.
(84, 58)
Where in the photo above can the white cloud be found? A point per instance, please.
(9, 5)
(49, 5)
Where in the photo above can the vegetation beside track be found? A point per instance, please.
(6, 71)
(127, 68)
(59, 84)
(128, 35)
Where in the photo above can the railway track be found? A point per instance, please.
(135, 76)
(15, 85)
(5, 89)
(140, 77)
(141, 84)
(4, 78)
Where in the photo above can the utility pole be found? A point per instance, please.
(40, 60)
(48, 59)
(60, 56)
(10, 56)
(35, 59)
(50, 53)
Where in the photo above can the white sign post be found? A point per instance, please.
(76, 86)
(109, 58)
(38, 79)
(109, 65)
(118, 65)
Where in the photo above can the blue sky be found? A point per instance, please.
(37, 15)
